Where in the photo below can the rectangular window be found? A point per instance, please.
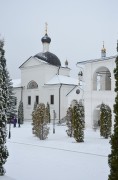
(37, 99)
(29, 100)
(51, 99)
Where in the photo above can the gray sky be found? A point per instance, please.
(77, 29)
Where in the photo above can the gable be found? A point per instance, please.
(32, 61)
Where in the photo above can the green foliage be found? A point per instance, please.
(40, 121)
(113, 157)
(69, 118)
(21, 113)
(3, 108)
(105, 121)
(78, 124)
(75, 122)
(33, 123)
(48, 112)
(11, 107)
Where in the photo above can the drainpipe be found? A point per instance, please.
(59, 96)
(60, 102)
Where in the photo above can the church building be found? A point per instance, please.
(98, 81)
(44, 80)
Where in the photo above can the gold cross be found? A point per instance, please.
(46, 27)
(103, 44)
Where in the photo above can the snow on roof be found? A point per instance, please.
(16, 82)
(60, 79)
(96, 60)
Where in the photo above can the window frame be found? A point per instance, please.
(51, 99)
(29, 100)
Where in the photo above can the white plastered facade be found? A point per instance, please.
(41, 73)
(99, 84)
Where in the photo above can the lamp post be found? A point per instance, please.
(80, 74)
(9, 136)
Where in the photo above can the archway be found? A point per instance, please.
(102, 79)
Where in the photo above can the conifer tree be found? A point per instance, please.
(78, 124)
(48, 112)
(105, 121)
(3, 106)
(40, 120)
(113, 157)
(21, 112)
(69, 123)
(33, 123)
(11, 107)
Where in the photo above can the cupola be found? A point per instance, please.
(103, 51)
(46, 40)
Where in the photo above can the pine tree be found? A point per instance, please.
(3, 106)
(20, 113)
(113, 157)
(109, 121)
(11, 107)
(69, 123)
(40, 120)
(33, 123)
(78, 124)
(48, 112)
(105, 121)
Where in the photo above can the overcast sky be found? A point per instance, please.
(77, 29)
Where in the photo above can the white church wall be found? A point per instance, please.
(92, 97)
(17, 94)
(64, 71)
(74, 96)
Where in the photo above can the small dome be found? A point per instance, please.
(103, 49)
(49, 58)
(46, 39)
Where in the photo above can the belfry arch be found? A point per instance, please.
(102, 79)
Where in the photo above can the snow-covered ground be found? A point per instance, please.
(57, 158)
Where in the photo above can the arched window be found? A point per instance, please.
(32, 85)
(102, 79)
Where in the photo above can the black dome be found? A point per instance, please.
(46, 39)
(49, 58)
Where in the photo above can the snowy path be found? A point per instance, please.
(57, 158)
(60, 149)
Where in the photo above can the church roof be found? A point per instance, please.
(49, 58)
(60, 79)
(96, 60)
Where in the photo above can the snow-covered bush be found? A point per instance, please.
(105, 121)
(40, 121)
